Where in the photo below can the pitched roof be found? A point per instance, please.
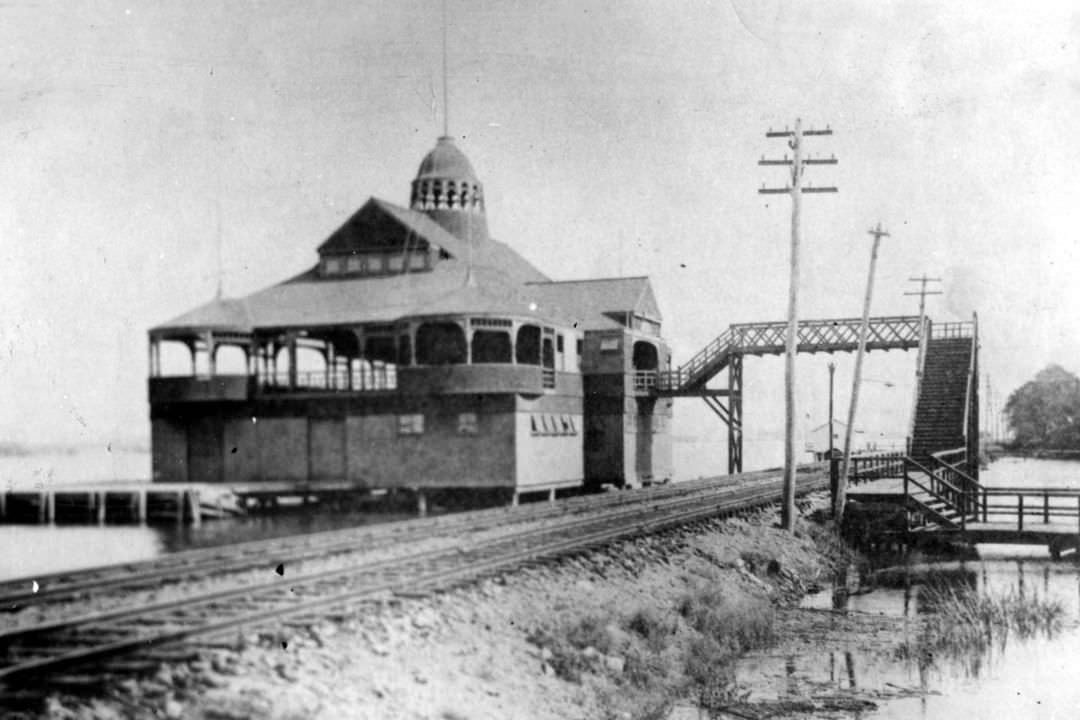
(379, 224)
(220, 314)
(589, 302)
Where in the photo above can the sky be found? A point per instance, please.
(611, 138)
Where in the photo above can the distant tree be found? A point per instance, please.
(1045, 412)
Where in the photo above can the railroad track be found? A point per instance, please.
(174, 568)
(118, 640)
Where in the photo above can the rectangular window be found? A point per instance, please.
(395, 263)
(375, 264)
(355, 264)
(559, 343)
(412, 424)
(331, 266)
(609, 345)
(467, 424)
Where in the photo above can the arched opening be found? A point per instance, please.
(527, 349)
(404, 354)
(645, 356)
(230, 360)
(380, 348)
(174, 359)
(441, 343)
(491, 346)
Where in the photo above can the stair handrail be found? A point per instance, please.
(976, 491)
(920, 364)
(908, 480)
(700, 360)
(972, 367)
(963, 499)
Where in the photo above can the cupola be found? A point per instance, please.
(447, 190)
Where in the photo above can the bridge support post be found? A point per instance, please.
(735, 435)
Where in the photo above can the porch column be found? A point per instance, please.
(211, 353)
(292, 361)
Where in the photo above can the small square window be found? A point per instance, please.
(375, 263)
(412, 424)
(355, 263)
(609, 345)
(467, 424)
(395, 263)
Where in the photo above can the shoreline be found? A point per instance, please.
(629, 632)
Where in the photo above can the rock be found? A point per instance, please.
(55, 710)
(286, 673)
(590, 653)
(425, 619)
(546, 654)
(615, 664)
(173, 709)
(223, 663)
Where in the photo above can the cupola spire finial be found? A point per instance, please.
(445, 75)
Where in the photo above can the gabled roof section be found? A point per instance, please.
(592, 302)
(220, 314)
(381, 225)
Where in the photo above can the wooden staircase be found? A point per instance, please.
(940, 413)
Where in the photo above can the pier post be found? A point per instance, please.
(3, 505)
(140, 512)
(1046, 507)
(180, 507)
(514, 499)
(100, 500)
(1020, 512)
(196, 508)
(50, 508)
(551, 495)
(421, 503)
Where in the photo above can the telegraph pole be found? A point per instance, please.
(841, 487)
(922, 292)
(796, 189)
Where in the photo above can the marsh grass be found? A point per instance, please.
(963, 625)
(686, 647)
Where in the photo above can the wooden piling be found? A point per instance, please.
(101, 497)
(196, 508)
(3, 505)
(140, 513)
(421, 503)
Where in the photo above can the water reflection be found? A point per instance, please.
(43, 549)
(1034, 678)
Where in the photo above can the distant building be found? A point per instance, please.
(417, 352)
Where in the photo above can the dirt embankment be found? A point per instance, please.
(619, 633)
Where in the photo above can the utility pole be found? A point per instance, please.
(832, 451)
(796, 189)
(922, 292)
(841, 489)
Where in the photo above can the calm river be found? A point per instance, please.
(1026, 678)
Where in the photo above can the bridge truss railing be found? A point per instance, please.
(770, 338)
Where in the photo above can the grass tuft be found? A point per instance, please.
(964, 625)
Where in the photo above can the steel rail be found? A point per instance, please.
(425, 570)
(175, 567)
(568, 521)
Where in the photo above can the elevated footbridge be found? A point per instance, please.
(726, 351)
